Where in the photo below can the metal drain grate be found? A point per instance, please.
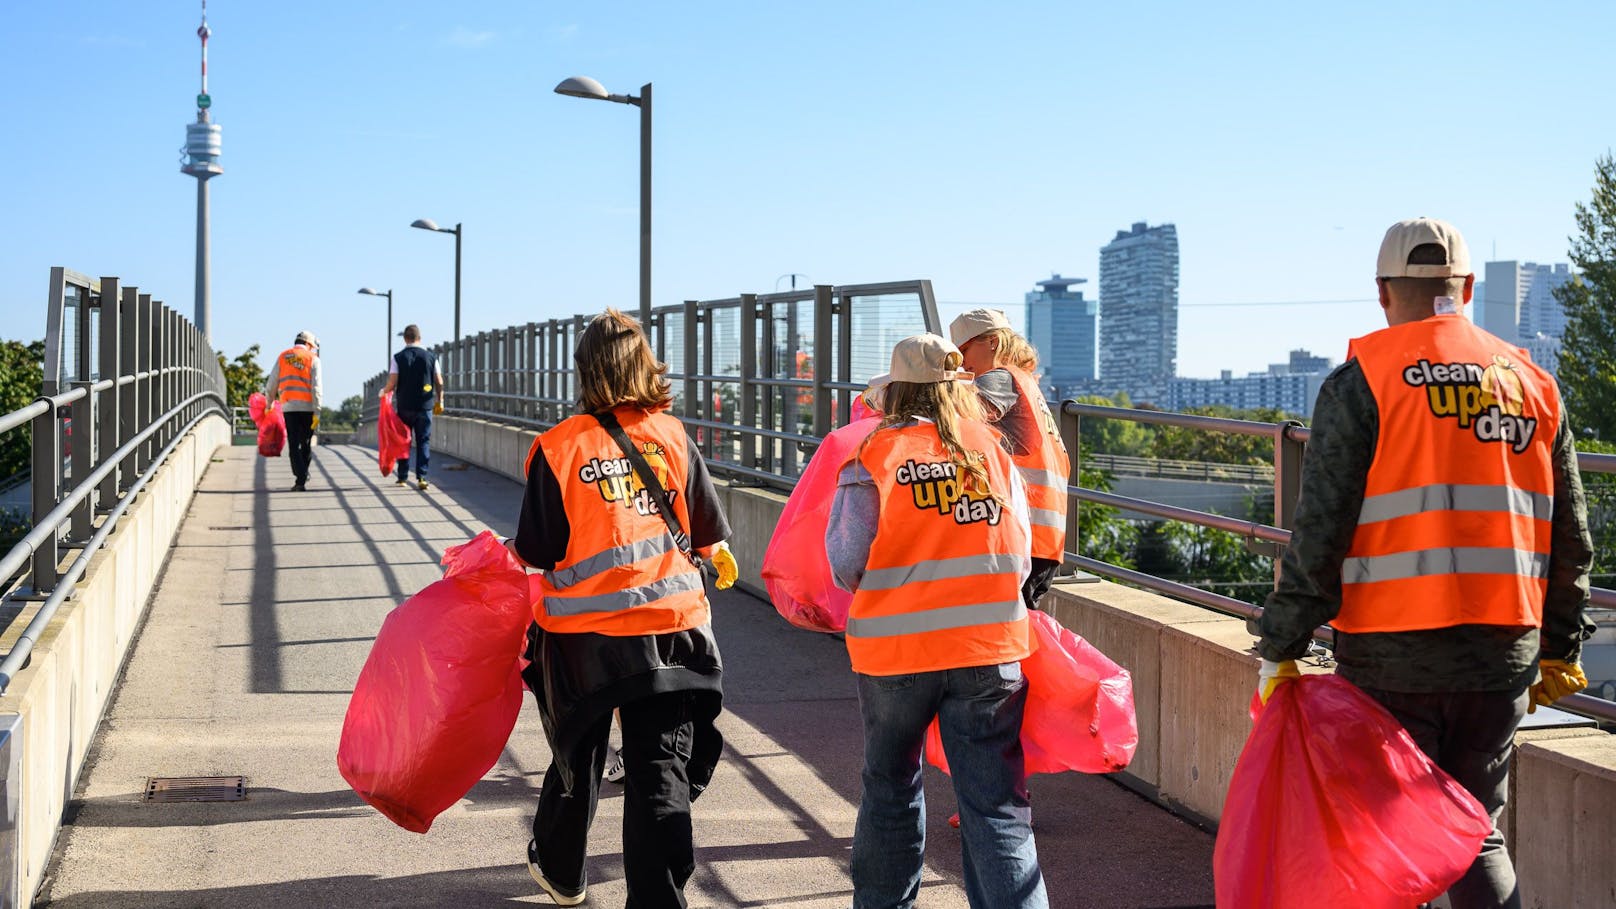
(238, 527)
(196, 788)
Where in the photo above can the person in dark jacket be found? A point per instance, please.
(417, 386)
(624, 620)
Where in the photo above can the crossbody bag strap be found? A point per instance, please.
(608, 421)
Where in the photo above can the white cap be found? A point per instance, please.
(1405, 235)
(306, 337)
(970, 324)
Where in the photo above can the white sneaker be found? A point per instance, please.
(561, 897)
(614, 767)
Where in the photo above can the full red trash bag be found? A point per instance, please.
(439, 694)
(392, 436)
(1079, 713)
(271, 423)
(1333, 805)
(796, 570)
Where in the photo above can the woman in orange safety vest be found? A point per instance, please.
(929, 530)
(1005, 366)
(623, 619)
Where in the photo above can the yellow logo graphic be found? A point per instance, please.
(616, 481)
(936, 485)
(1489, 402)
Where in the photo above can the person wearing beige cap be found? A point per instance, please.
(1442, 531)
(294, 381)
(1006, 380)
(929, 531)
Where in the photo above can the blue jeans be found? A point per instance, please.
(979, 711)
(420, 424)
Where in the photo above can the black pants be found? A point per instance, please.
(420, 424)
(1037, 584)
(1471, 735)
(658, 855)
(299, 434)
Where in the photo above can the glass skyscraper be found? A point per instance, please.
(1139, 312)
(1066, 330)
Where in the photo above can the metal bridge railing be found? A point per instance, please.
(749, 378)
(125, 379)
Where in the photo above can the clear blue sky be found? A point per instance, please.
(980, 146)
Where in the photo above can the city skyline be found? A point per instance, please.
(1280, 163)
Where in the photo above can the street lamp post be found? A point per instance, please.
(585, 87)
(429, 224)
(389, 295)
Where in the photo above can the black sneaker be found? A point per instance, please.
(299, 487)
(561, 896)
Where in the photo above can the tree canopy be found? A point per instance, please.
(242, 376)
(21, 372)
(1587, 371)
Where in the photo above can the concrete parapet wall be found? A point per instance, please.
(1193, 675)
(59, 697)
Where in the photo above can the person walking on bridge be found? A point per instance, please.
(294, 381)
(929, 531)
(618, 512)
(1006, 368)
(417, 386)
(1442, 531)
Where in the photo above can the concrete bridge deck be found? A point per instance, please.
(267, 609)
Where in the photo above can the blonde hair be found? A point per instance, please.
(1012, 349)
(616, 366)
(947, 404)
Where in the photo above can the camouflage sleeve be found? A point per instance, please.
(1346, 426)
(1571, 552)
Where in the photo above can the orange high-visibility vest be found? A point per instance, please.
(1046, 470)
(296, 382)
(623, 575)
(1458, 502)
(942, 586)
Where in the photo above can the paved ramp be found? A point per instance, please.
(257, 632)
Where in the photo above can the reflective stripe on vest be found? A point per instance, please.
(942, 583)
(1456, 517)
(622, 573)
(1045, 470)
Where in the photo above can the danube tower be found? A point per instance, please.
(202, 144)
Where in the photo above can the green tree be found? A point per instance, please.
(1180, 444)
(344, 417)
(21, 374)
(243, 376)
(1099, 435)
(1600, 489)
(1587, 369)
(1101, 533)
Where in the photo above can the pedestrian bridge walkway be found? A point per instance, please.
(253, 640)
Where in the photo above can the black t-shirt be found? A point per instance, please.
(542, 531)
(417, 386)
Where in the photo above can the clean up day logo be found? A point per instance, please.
(1489, 401)
(616, 481)
(936, 485)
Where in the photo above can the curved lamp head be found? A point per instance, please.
(425, 224)
(582, 87)
(370, 290)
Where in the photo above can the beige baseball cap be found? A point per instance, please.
(921, 359)
(306, 337)
(1405, 235)
(970, 324)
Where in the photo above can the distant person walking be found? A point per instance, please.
(929, 531)
(618, 512)
(417, 386)
(294, 381)
(1442, 531)
(1006, 368)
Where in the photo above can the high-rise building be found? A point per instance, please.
(1516, 302)
(1292, 387)
(1065, 328)
(1139, 311)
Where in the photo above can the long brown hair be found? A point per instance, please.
(946, 404)
(615, 366)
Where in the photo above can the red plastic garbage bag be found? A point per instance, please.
(439, 694)
(1333, 805)
(796, 570)
(392, 436)
(271, 423)
(1079, 713)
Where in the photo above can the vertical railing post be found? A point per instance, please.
(147, 343)
(823, 329)
(82, 448)
(129, 395)
(844, 357)
(111, 406)
(689, 343)
(530, 381)
(748, 390)
(1071, 426)
(1287, 479)
(709, 324)
(46, 481)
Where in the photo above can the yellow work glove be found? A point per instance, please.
(1559, 679)
(728, 571)
(315, 423)
(1272, 674)
(437, 407)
